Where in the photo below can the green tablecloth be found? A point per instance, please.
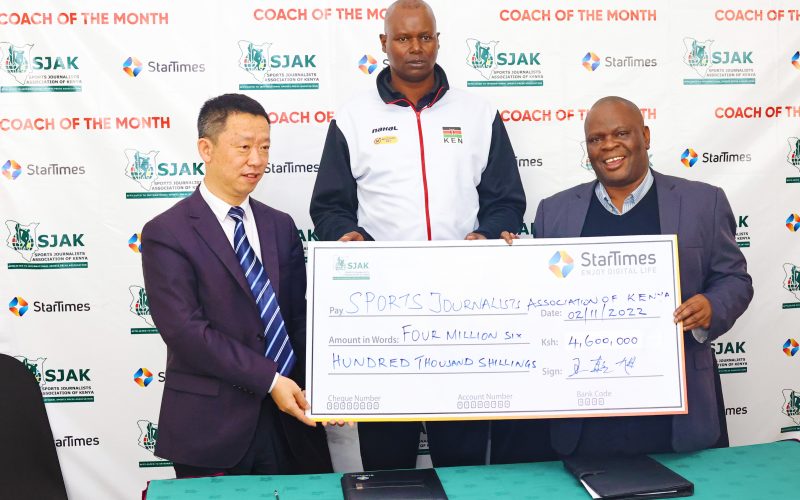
(758, 471)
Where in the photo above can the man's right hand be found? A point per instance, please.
(352, 236)
(290, 399)
(509, 237)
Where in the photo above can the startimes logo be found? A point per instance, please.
(135, 242)
(11, 170)
(132, 66)
(18, 306)
(591, 61)
(561, 264)
(143, 377)
(689, 157)
(367, 64)
(790, 347)
(793, 223)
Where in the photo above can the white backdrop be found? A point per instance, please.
(98, 103)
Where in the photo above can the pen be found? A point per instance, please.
(277, 497)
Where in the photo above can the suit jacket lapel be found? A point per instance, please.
(269, 246)
(576, 212)
(669, 204)
(207, 226)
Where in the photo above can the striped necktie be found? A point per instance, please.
(279, 349)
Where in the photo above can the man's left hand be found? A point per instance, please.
(695, 313)
(474, 236)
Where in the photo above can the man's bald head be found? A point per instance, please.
(409, 5)
(612, 99)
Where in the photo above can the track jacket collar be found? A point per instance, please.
(391, 96)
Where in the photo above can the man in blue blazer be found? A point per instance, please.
(630, 198)
(226, 407)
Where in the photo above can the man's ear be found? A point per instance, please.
(383, 42)
(205, 148)
(647, 136)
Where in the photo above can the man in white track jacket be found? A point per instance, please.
(417, 160)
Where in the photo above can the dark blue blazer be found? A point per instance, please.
(216, 374)
(711, 263)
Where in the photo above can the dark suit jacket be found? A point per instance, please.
(217, 375)
(711, 263)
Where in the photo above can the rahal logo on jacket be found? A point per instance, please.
(385, 139)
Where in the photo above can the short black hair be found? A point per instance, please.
(216, 110)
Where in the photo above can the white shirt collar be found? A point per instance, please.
(221, 207)
(631, 201)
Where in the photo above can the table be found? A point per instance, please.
(756, 471)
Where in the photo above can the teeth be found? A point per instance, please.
(616, 158)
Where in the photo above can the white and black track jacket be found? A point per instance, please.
(435, 172)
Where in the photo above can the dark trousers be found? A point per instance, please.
(268, 453)
(393, 445)
(723, 441)
(519, 441)
(625, 436)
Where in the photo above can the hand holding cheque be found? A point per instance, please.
(427, 331)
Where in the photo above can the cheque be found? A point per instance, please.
(480, 329)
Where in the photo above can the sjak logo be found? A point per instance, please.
(255, 59)
(697, 54)
(35, 366)
(561, 264)
(482, 56)
(486, 60)
(586, 163)
(140, 306)
(791, 282)
(141, 167)
(794, 152)
(791, 405)
(148, 434)
(16, 61)
(22, 238)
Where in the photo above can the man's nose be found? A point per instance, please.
(254, 158)
(608, 142)
(416, 46)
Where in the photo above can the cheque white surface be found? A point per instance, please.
(456, 330)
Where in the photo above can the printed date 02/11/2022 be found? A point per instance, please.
(605, 313)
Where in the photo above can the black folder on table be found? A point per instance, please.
(412, 484)
(628, 477)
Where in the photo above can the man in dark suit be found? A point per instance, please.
(629, 198)
(215, 266)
